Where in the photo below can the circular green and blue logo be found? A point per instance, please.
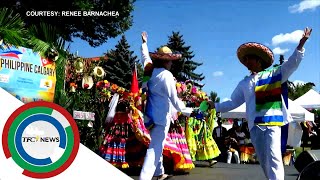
(42, 138)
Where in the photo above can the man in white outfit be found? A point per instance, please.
(162, 100)
(265, 108)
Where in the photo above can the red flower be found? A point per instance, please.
(85, 86)
(100, 84)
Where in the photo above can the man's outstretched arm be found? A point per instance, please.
(144, 50)
(237, 99)
(288, 67)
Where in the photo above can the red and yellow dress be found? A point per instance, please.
(126, 140)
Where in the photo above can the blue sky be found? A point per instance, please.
(215, 29)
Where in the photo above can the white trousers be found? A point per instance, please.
(267, 144)
(153, 164)
(235, 155)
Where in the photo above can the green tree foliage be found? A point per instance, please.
(297, 90)
(214, 97)
(96, 30)
(140, 71)
(183, 69)
(46, 39)
(12, 29)
(120, 64)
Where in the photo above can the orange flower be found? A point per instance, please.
(73, 87)
(114, 87)
(73, 84)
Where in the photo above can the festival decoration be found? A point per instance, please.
(98, 71)
(73, 87)
(87, 82)
(52, 54)
(190, 94)
(78, 64)
(92, 93)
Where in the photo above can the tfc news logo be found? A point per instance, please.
(42, 138)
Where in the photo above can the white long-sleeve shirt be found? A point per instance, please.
(245, 91)
(145, 60)
(162, 97)
(145, 55)
(163, 113)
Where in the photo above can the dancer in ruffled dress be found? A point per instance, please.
(126, 137)
(199, 130)
(176, 147)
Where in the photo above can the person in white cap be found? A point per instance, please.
(265, 108)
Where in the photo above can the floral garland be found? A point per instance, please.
(107, 89)
(190, 93)
(80, 74)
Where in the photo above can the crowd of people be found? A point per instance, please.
(170, 126)
(234, 143)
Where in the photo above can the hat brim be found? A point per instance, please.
(253, 48)
(165, 56)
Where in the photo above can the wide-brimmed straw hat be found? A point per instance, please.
(165, 53)
(257, 49)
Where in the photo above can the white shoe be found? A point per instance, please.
(164, 177)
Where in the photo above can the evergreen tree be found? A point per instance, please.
(295, 90)
(281, 60)
(120, 64)
(184, 68)
(214, 97)
(140, 71)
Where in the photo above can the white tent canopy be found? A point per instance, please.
(311, 99)
(297, 112)
(239, 112)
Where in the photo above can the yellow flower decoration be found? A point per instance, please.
(98, 71)
(120, 90)
(79, 66)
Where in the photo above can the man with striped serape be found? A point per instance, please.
(265, 106)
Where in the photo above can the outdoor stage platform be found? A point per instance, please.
(224, 171)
